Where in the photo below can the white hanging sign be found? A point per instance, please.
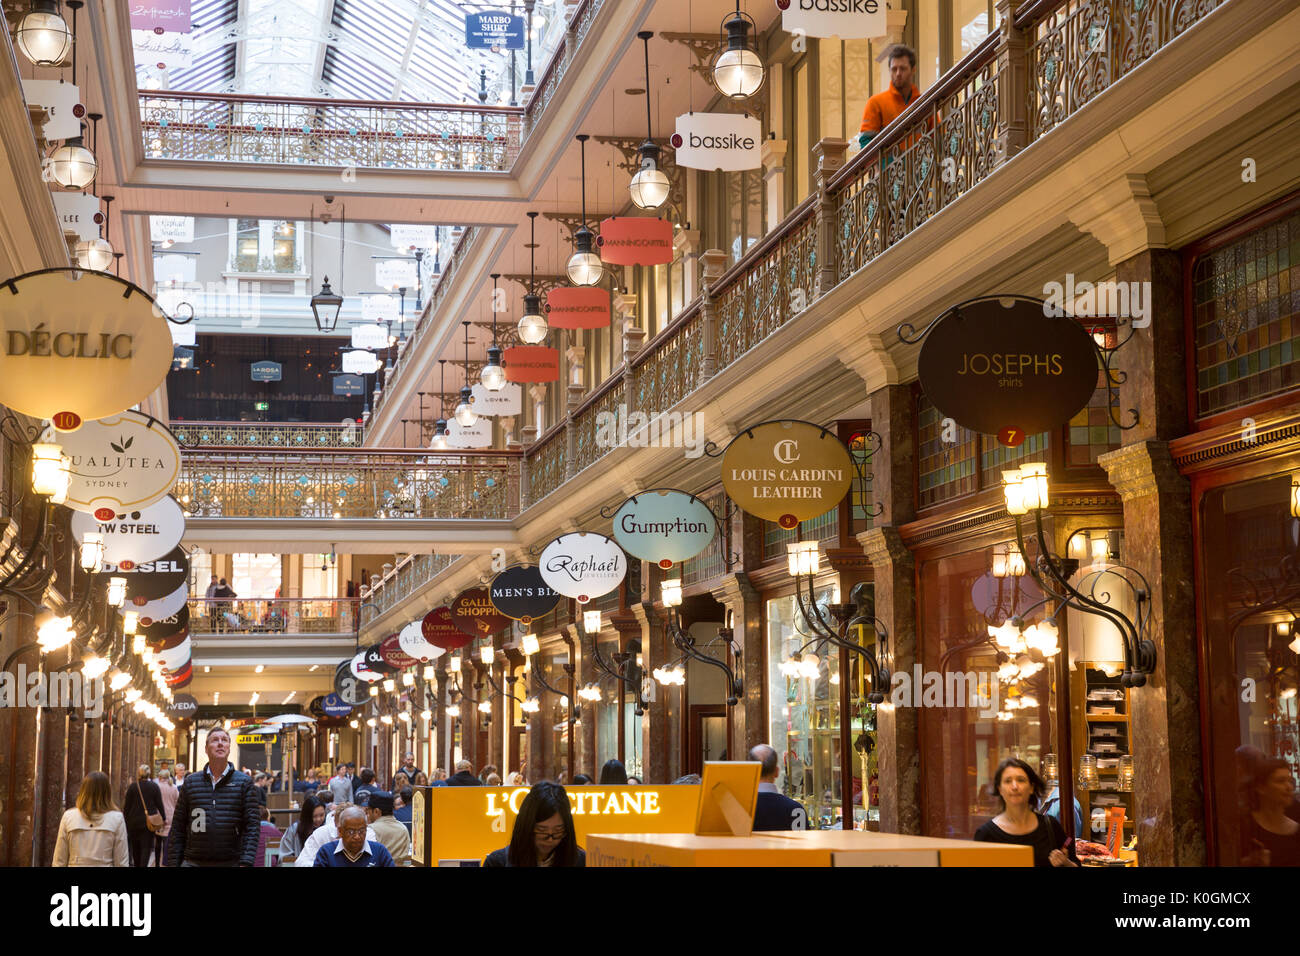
(360, 362)
(120, 464)
(406, 235)
(395, 273)
(77, 213)
(508, 401)
(361, 671)
(171, 228)
(137, 536)
(478, 435)
(174, 658)
(727, 141)
(369, 337)
(582, 565)
(380, 308)
(62, 105)
(411, 641)
(167, 51)
(846, 19)
(159, 609)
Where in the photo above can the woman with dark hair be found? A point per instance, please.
(1020, 791)
(543, 833)
(141, 801)
(613, 773)
(1275, 840)
(311, 817)
(581, 780)
(421, 779)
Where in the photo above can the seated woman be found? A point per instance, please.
(1020, 790)
(1275, 840)
(543, 833)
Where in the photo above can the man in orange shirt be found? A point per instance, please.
(883, 108)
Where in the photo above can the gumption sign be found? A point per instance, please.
(664, 526)
(787, 471)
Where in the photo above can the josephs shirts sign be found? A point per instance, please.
(846, 19)
(709, 141)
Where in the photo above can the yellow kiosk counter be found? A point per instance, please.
(797, 848)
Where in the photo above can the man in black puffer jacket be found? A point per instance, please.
(216, 819)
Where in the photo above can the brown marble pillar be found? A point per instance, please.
(18, 737)
(661, 723)
(893, 416)
(497, 731)
(75, 757)
(442, 723)
(584, 758)
(53, 781)
(1165, 713)
(748, 718)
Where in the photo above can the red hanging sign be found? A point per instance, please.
(636, 241)
(391, 651)
(532, 363)
(440, 631)
(583, 307)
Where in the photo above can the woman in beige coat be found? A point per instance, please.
(93, 833)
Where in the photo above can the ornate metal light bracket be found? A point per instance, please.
(622, 660)
(860, 612)
(685, 643)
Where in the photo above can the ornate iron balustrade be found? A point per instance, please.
(549, 81)
(409, 576)
(273, 615)
(321, 485)
(671, 366)
(546, 470)
(904, 177)
(768, 286)
(266, 435)
(590, 441)
(1078, 49)
(217, 127)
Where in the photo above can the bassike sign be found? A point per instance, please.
(727, 141)
(846, 19)
(787, 471)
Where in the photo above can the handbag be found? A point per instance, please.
(154, 821)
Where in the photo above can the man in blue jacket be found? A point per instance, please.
(215, 821)
(352, 848)
(774, 810)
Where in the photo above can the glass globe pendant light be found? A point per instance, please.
(532, 327)
(73, 166)
(465, 413)
(649, 187)
(585, 267)
(43, 36)
(493, 376)
(93, 255)
(738, 71)
(440, 425)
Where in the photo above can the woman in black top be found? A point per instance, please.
(1275, 837)
(1020, 791)
(543, 833)
(141, 799)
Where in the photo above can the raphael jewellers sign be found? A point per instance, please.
(846, 19)
(81, 342)
(1000, 366)
(664, 526)
(120, 464)
(583, 566)
(786, 471)
(709, 141)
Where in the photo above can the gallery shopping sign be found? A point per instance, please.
(495, 30)
(846, 19)
(787, 471)
(635, 241)
(583, 565)
(727, 141)
(581, 307)
(137, 535)
(1003, 366)
(120, 464)
(85, 343)
(473, 614)
(664, 526)
(522, 594)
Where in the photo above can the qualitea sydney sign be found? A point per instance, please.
(846, 19)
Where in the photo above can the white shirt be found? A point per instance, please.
(322, 835)
(84, 842)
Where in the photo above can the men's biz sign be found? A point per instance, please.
(1005, 366)
(520, 593)
(495, 30)
(664, 526)
(583, 566)
(786, 471)
(88, 343)
(709, 141)
(846, 19)
(120, 464)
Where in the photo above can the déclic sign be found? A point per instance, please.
(727, 141)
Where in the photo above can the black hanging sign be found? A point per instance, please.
(521, 594)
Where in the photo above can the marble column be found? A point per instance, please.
(18, 770)
(53, 780)
(661, 724)
(584, 757)
(742, 601)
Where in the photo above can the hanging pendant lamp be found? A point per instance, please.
(440, 425)
(493, 376)
(465, 413)
(73, 166)
(649, 187)
(532, 326)
(43, 36)
(738, 71)
(585, 267)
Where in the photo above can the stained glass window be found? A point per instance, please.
(947, 469)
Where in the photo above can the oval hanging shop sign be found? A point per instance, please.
(159, 578)
(709, 141)
(348, 686)
(583, 566)
(166, 606)
(411, 640)
(332, 705)
(138, 535)
(786, 471)
(441, 631)
(1000, 366)
(162, 629)
(473, 614)
(121, 464)
(664, 526)
(520, 593)
(390, 648)
(82, 342)
(635, 241)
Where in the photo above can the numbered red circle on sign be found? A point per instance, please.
(66, 421)
(105, 514)
(126, 565)
(1011, 436)
(665, 564)
(583, 599)
(787, 521)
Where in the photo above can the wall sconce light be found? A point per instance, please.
(485, 706)
(453, 710)
(455, 663)
(531, 645)
(374, 691)
(1025, 488)
(591, 621)
(804, 558)
(130, 621)
(430, 673)
(55, 633)
(671, 590)
(51, 472)
(354, 724)
(370, 722)
(487, 654)
(1008, 561)
(92, 550)
(1088, 779)
(530, 705)
(408, 679)
(389, 685)
(426, 715)
(116, 592)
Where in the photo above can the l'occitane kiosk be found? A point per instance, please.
(723, 837)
